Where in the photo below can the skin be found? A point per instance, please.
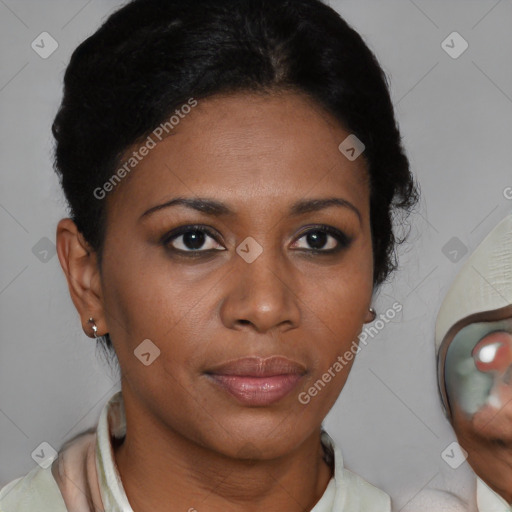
(489, 455)
(188, 442)
(487, 435)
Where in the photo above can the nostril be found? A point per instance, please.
(493, 352)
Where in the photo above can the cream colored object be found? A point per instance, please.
(488, 500)
(484, 283)
(88, 480)
(435, 500)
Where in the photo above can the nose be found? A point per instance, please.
(493, 353)
(262, 295)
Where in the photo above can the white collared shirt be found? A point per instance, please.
(488, 500)
(84, 477)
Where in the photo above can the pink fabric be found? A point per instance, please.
(75, 473)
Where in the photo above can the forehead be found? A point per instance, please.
(265, 145)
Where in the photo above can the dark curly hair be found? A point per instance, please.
(151, 56)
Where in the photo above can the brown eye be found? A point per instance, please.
(192, 239)
(322, 239)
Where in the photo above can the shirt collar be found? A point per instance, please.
(488, 500)
(112, 424)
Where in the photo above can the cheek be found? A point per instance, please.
(334, 318)
(141, 303)
(346, 286)
(340, 301)
(155, 303)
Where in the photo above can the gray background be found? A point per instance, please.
(456, 118)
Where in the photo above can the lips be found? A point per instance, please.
(256, 381)
(258, 367)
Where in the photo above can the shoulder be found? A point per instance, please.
(37, 490)
(42, 489)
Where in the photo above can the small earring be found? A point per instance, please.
(94, 328)
(374, 314)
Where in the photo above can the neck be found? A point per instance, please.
(174, 469)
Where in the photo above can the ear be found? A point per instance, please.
(79, 263)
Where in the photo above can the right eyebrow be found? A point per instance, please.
(208, 206)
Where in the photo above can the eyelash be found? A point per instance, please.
(343, 240)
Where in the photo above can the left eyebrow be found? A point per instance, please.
(217, 209)
(314, 205)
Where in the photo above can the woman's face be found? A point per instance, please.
(266, 184)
